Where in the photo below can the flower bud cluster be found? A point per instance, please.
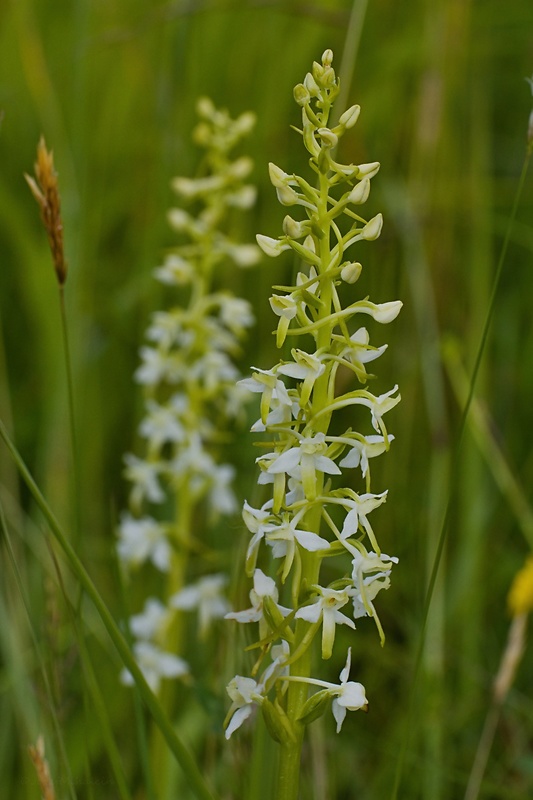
(190, 387)
(313, 513)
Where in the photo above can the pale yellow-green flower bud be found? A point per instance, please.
(318, 72)
(372, 228)
(244, 255)
(327, 57)
(202, 135)
(178, 219)
(309, 243)
(368, 170)
(301, 94)
(245, 123)
(241, 168)
(310, 141)
(283, 305)
(329, 139)
(287, 196)
(271, 247)
(205, 107)
(277, 176)
(387, 312)
(350, 117)
(381, 312)
(242, 198)
(315, 706)
(311, 85)
(351, 272)
(294, 228)
(360, 192)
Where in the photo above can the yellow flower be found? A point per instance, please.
(521, 594)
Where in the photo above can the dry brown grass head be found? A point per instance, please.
(40, 763)
(45, 190)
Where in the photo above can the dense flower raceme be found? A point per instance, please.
(191, 390)
(313, 513)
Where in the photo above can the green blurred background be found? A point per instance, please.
(112, 86)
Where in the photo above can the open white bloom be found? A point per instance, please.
(144, 477)
(379, 406)
(306, 367)
(271, 388)
(263, 587)
(235, 313)
(326, 609)
(377, 570)
(362, 449)
(155, 664)
(221, 496)
(254, 519)
(283, 411)
(151, 621)
(349, 696)
(360, 506)
(161, 425)
(141, 540)
(213, 370)
(283, 535)
(245, 692)
(156, 367)
(359, 352)
(175, 271)
(309, 457)
(195, 464)
(206, 596)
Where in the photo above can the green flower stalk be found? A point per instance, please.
(313, 514)
(189, 379)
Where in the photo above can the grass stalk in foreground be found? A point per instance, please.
(183, 756)
(56, 726)
(409, 724)
(44, 188)
(520, 602)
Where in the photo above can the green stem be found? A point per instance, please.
(75, 487)
(174, 635)
(289, 766)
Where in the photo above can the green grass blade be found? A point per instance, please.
(178, 748)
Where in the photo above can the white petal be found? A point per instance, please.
(263, 585)
(339, 712)
(309, 613)
(237, 719)
(325, 464)
(345, 674)
(285, 462)
(352, 696)
(351, 524)
(311, 541)
(248, 615)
